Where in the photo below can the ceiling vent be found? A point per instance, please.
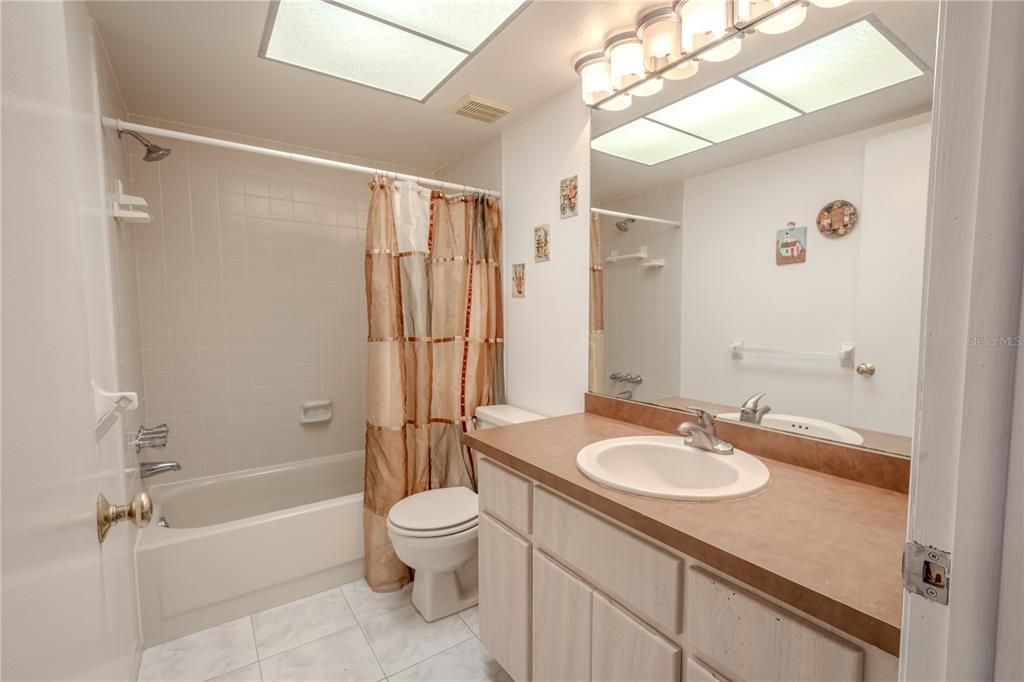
(479, 109)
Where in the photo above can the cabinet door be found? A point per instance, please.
(561, 623)
(505, 597)
(623, 649)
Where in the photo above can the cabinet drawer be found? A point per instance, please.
(637, 574)
(561, 623)
(505, 597)
(755, 640)
(624, 649)
(504, 495)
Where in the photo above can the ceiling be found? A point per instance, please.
(196, 63)
(914, 22)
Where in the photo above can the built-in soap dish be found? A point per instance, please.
(315, 411)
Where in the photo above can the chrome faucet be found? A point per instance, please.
(750, 412)
(153, 437)
(147, 469)
(704, 436)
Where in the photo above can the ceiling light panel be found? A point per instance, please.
(849, 63)
(327, 38)
(646, 142)
(724, 111)
(463, 24)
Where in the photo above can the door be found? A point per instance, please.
(966, 439)
(625, 650)
(561, 623)
(505, 597)
(68, 602)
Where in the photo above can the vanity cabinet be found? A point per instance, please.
(567, 594)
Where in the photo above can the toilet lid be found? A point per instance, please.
(434, 510)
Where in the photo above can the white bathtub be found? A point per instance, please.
(247, 541)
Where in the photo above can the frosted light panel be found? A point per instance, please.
(724, 111)
(646, 142)
(323, 37)
(456, 22)
(849, 63)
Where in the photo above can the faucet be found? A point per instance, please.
(750, 412)
(153, 437)
(703, 436)
(147, 469)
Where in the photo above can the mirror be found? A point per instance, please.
(759, 228)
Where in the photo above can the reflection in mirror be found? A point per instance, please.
(758, 240)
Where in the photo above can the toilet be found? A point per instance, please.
(435, 533)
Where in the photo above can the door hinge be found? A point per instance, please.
(926, 572)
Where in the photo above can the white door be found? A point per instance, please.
(68, 602)
(963, 452)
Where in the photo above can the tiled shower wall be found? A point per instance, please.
(643, 305)
(250, 287)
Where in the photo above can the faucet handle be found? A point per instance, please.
(705, 418)
(751, 402)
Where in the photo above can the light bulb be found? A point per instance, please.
(704, 22)
(595, 77)
(685, 70)
(786, 21)
(617, 103)
(723, 52)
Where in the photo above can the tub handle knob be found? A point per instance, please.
(139, 511)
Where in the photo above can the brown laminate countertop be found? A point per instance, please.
(827, 546)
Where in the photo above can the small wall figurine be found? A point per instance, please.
(541, 243)
(837, 218)
(519, 280)
(569, 191)
(791, 245)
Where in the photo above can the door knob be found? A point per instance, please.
(866, 369)
(139, 510)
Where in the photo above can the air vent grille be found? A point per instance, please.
(479, 109)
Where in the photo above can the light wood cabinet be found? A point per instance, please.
(626, 650)
(698, 671)
(505, 495)
(561, 623)
(505, 597)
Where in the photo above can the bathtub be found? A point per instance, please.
(247, 541)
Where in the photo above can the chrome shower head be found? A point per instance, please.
(624, 224)
(154, 152)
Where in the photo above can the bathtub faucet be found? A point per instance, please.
(147, 469)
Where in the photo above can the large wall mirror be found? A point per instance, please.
(760, 229)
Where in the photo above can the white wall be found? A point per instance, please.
(546, 332)
(68, 603)
(730, 220)
(479, 167)
(642, 306)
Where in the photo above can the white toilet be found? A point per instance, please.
(435, 533)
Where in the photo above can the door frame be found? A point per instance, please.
(974, 261)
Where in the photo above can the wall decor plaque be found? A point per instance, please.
(837, 218)
(569, 191)
(542, 243)
(791, 245)
(519, 280)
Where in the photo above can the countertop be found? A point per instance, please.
(827, 546)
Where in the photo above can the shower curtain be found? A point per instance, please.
(596, 376)
(433, 292)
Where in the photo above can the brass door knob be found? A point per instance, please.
(139, 510)
(866, 369)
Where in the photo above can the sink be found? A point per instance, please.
(806, 426)
(666, 468)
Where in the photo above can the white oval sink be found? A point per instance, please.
(666, 468)
(806, 426)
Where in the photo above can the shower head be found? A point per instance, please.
(624, 224)
(154, 152)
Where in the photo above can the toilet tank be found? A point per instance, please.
(489, 416)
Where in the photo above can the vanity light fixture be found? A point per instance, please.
(828, 4)
(661, 34)
(787, 20)
(626, 54)
(594, 70)
(704, 22)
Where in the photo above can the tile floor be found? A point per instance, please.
(347, 633)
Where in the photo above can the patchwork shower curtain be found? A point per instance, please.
(596, 307)
(433, 291)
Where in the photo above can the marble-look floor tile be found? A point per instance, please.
(201, 655)
(471, 617)
(301, 621)
(367, 604)
(466, 662)
(402, 638)
(340, 657)
(250, 673)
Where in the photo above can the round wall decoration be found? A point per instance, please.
(837, 218)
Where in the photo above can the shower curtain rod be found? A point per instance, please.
(634, 216)
(118, 124)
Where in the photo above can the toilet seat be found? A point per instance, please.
(435, 513)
